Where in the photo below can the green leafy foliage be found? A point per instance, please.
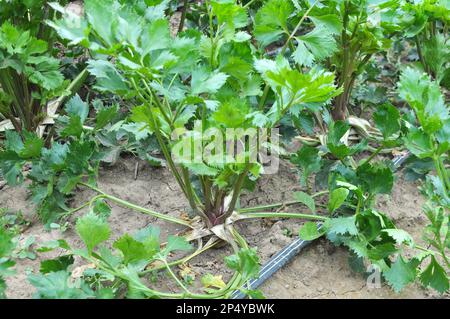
(342, 226)
(345, 35)
(29, 77)
(126, 266)
(208, 76)
(29, 15)
(425, 22)
(387, 120)
(16, 153)
(370, 235)
(436, 54)
(202, 82)
(400, 236)
(58, 264)
(93, 230)
(25, 250)
(375, 178)
(21, 52)
(295, 88)
(134, 250)
(304, 198)
(58, 169)
(246, 261)
(315, 46)
(176, 243)
(400, 274)
(271, 21)
(435, 276)
(186, 90)
(336, 138)
(7, 245)
(308, 159)
(309, 231)
(58, 285)
(337, 198)
(425, 97)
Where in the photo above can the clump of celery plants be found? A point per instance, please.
(191, 84)
(371, 235)
(373, 239)
(30, 75)
(429, 138)
(426, 23)
(342, 36)
(57, 169)
(361, 36)
(29, 16)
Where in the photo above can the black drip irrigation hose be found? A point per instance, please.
(290, 251)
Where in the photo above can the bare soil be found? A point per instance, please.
(319, 271)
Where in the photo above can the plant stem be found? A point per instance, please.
(181, 260)
(283, 215)
(420, 54)
(207, 194)
(345, 75)
(218, 200)
(158, 104)
(234, 283)
(378, 150)
(283, 49)
(16, 106)
(138, 208)
(446, 180)
(248, 4)
(190, 194)
(162, 144)
(432, 252)
(444, 256)
(183, 16)
(211, 33)
(263, 99)
(169, 270)
(441, 176)
(73, 87)
(276, 205)
(237, 190)
(70, 212)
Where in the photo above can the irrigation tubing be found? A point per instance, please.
(290, 251)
